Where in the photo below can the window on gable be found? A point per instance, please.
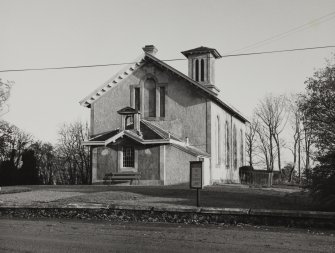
(128, 156)
(150, 97)
(162, 101)
(137, 99)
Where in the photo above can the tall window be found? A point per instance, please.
(227, 145)
(137, 99)
(150, 88)
(241, 148)
(235, 147)
(162, 101)
(197, 70)
(128, 156)
(202, 70)
(218, 138)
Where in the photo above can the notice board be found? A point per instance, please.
(196, 174)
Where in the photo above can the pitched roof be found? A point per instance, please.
(105, 136)
(126, 71)
(211, 94)
(190, 149)
(151, 134)
(200, 50)
(113, 81)
(160, 131)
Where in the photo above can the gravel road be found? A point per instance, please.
(69, 236)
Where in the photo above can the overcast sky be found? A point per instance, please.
(37, 34)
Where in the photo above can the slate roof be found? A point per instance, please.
(147, 132)
(161, 132)
(151, 134)
(191, 150)
(105, 136)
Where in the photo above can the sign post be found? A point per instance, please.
(196, 177)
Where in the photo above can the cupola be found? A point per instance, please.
(130, 119)
(201, 66)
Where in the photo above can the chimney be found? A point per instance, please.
(201, 66)
(150, 49)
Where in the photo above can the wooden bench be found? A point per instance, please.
(122, 176)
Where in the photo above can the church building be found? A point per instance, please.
(152, 119)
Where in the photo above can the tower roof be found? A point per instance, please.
(127, 110)
(200, 50)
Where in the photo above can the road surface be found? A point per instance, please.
(43, 235)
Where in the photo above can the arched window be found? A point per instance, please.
(227, 146)
(242, 148)
(235, 147)
(150, 97)
(197, 70)
(202, 70)
(217, 140)
(129, 121)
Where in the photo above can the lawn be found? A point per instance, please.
(227, 196)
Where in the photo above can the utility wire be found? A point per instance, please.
(177, 59)
(278, 51)
(282, 35)
(78, 67)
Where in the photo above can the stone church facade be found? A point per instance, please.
(152, 119)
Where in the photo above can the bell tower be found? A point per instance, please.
(201, 66)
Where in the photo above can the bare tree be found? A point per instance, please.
(5, 88)
(295, 122)
(265, 152)
(307, 143)
(13, 141)
(45, 161)
(272, 115)
(73, 158)
(251, 139)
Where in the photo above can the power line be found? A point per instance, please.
(278, 51)
(282, 35)
(78, 67)
(177, 59)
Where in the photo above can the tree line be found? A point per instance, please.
(304, 124)
(25, 160)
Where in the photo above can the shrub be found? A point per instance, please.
(321, 180)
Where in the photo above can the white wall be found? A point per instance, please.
(221, 171)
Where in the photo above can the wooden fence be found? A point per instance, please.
(259, 177)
